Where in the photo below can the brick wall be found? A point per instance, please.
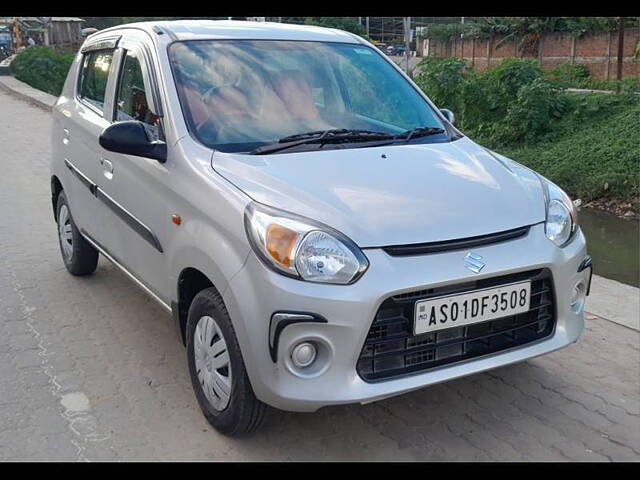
(598, 52)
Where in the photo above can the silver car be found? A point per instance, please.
(321, 233)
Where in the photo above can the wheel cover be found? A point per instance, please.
(64, 232)
(212, 362)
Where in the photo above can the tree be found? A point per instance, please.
(102, 22)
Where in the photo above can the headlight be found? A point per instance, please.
(302, 248)
(562, 218)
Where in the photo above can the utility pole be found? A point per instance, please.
(367, 26)
(407, 41)
(620, 52)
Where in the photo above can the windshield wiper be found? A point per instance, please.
(418, 132)
(322, 137)
(329, 133)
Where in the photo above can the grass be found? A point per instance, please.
(593, 152)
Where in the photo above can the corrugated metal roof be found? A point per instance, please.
(67, 19)
(37, 19)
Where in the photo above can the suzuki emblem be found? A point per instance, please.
(473, 262)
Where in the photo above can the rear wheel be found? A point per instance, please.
(79, 256)
(217, 369)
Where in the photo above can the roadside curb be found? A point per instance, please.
(25, 92)
(614, 301)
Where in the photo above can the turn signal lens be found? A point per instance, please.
(280, 243)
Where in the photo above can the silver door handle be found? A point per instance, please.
(108, 168)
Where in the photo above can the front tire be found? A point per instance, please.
(217, 370)
(79, 256)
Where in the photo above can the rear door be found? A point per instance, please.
(134, 190)
(79, 134)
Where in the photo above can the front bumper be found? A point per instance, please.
(256, 292)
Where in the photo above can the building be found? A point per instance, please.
(65, 32)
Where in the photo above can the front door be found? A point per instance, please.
(136, 220)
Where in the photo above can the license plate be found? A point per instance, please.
(472, 307)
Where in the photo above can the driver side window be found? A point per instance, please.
(131, 102)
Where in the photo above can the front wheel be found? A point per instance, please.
(217, 369)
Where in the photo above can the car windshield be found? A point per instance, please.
(238, 95)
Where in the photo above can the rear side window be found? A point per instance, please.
(96, 67)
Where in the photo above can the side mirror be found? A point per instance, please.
(130, 137)
(448, 114)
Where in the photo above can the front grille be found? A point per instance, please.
(458, 244)
(391, 349)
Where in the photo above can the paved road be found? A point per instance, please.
(90, 369)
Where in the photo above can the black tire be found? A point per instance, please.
(244, 413)
(83, 259)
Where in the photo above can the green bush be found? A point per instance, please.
(445, 80)
(43, 68)
(530, 117)
(567, 75)
(511, 102)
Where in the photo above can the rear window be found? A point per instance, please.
(96, 67)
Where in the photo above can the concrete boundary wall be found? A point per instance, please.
(598, 51)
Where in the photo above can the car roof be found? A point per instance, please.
(230, 29)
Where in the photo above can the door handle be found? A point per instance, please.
(107, 167)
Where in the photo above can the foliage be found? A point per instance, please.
(530, 117)
(627, 85)
(594, 152)
(43, 68)
(511, 102)
(349, 24)
(569, 75)
(102, 22)
(523, 27)
(578, 76)
(445, 80)
(527, 30)
(446, 31)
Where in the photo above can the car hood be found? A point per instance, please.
(394, 195)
